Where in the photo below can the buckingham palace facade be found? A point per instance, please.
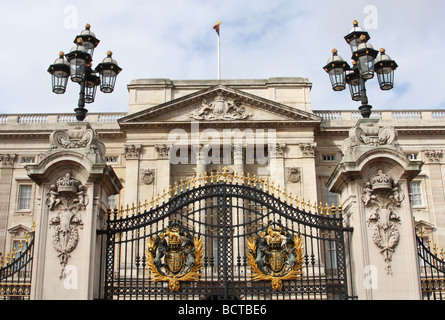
(264, 129)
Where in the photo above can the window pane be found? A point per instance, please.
(415, 193)
(330, 198)
(25, 197)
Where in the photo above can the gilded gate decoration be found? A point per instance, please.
(175, 256)
(225, 236)
(271, 260)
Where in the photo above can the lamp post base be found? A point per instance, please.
(81, 113)
(365, 110)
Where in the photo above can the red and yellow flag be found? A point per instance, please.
(216, 27)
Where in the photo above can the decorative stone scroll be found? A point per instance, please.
(67, 197)
(381, 196)
(367, 135)
(220, 109)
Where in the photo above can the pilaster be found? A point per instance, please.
(74, 184)
(373, 180)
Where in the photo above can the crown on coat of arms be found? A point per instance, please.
(381, 181)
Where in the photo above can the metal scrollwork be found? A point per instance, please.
(271, 260)
(175, 256)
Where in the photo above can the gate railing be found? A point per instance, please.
(226, 210)
(16, 271)
(432, 271)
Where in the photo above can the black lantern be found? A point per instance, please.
(89, 40)
(79, 68)
(384, 68)
(336, 68)
(60, 71)
(365, 65)
(78, 59)
(108, 70)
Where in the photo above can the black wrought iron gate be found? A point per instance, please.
(224, 237)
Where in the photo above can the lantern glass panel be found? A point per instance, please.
(386, 78)
(366, 66)
(59, 82)
(338, 80)
(77, 69)
(108, 80)
(90, 93)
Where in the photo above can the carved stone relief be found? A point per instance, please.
(162, 150)
(132, 151)
(368, 134)
(147, 176)
(433, 155)
(220, 109)
(308, 149)
(381, 196)
(7, 160)
(77, 138)
(293, 174)
(68, 199)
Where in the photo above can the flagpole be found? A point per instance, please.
(217, 29)
(219, 57)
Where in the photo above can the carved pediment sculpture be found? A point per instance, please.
(220, 109)
(66, 197)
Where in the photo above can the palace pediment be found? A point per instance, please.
(220, 105)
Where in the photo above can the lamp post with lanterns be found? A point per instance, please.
(78, 67)
(365, 64)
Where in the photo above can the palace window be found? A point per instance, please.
(415, 193)
(413, 156)
(330, 198)
(329, 157)
(25, 197)
(112, 201)
(26, 160)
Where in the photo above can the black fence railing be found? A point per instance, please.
(16, 271)
(432, 272)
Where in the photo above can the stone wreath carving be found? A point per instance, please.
(220, 109)
(66, 197)
(293, 174)
(147, 176)
(381, 195)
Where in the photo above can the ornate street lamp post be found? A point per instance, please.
(78, 67)
(365, 65)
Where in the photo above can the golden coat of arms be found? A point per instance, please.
(272, 260)
(174, 256)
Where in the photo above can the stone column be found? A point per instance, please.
(372, 180)
(433, 164)
(6, 169)
(74, 184)
(132, 153)
(276, 164)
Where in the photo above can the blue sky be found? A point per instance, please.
(259, 39)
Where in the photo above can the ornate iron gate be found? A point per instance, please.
(432, 271)
(16, 275)
(225, 237)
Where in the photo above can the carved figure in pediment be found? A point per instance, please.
(220, 109)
